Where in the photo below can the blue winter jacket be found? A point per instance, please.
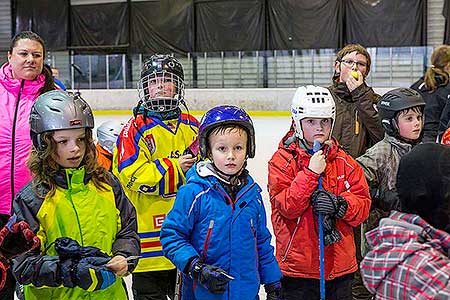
(204, 222)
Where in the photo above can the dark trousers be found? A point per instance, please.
(7, 293)
(306, 288)
(156, 285)
(359, 291)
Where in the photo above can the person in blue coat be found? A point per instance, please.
(216, 233)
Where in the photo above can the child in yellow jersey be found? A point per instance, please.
(85, 223)
(151, 161)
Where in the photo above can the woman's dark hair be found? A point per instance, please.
(30, 35)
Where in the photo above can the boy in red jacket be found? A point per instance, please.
(344, 201)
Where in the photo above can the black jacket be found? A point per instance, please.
(437, 108)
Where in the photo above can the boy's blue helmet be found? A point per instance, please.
(222, 116)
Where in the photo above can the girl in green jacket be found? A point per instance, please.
(86, 224)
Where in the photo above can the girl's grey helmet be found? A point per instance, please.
(57, 110)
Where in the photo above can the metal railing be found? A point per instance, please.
(256, 69)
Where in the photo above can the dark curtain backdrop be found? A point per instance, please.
(183, 26)
(300, 24)
(48, 18)
(225, 25)
(446, 14)
(100, 27)
(161, 26)
(386, 23)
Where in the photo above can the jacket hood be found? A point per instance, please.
(423, 184)
(291, 143)
(394, 241)
(13, 85)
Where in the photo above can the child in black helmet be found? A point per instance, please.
(151, 159)
(400, 112)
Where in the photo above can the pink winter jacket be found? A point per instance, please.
(16, 98)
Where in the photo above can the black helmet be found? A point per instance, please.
(392, 103)
(57, 110)
(168, 69)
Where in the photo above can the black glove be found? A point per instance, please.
(91, 274)
(327, 203)
(273, 291)
(330, 234)
(213, 278)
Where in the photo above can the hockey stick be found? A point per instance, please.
(316, 147)
(178, 286)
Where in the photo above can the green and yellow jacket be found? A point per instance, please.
(105, 219)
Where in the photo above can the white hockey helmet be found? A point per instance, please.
(107, 134)
(312, 101)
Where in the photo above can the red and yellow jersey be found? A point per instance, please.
(146, 162)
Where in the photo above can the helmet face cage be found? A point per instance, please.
(223, 116)
(161, 91)
(107, 134)
(58, 110)
(161, 87)
(312, 102)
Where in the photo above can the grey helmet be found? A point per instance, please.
(107, 134)
(57, 110)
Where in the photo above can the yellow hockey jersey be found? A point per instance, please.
(146, 162)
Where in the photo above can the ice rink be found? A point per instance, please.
(268, 130)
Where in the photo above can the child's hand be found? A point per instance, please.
(317, 162)
(118, 265)
(186, 161)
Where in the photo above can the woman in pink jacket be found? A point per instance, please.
(22, 80)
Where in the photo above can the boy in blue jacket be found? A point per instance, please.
(216, 233)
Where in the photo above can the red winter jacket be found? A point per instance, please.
(291, 184)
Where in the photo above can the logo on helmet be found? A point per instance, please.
(76, 122)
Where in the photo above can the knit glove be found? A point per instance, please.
(213, 278)
(330, 234)
(327, 203)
